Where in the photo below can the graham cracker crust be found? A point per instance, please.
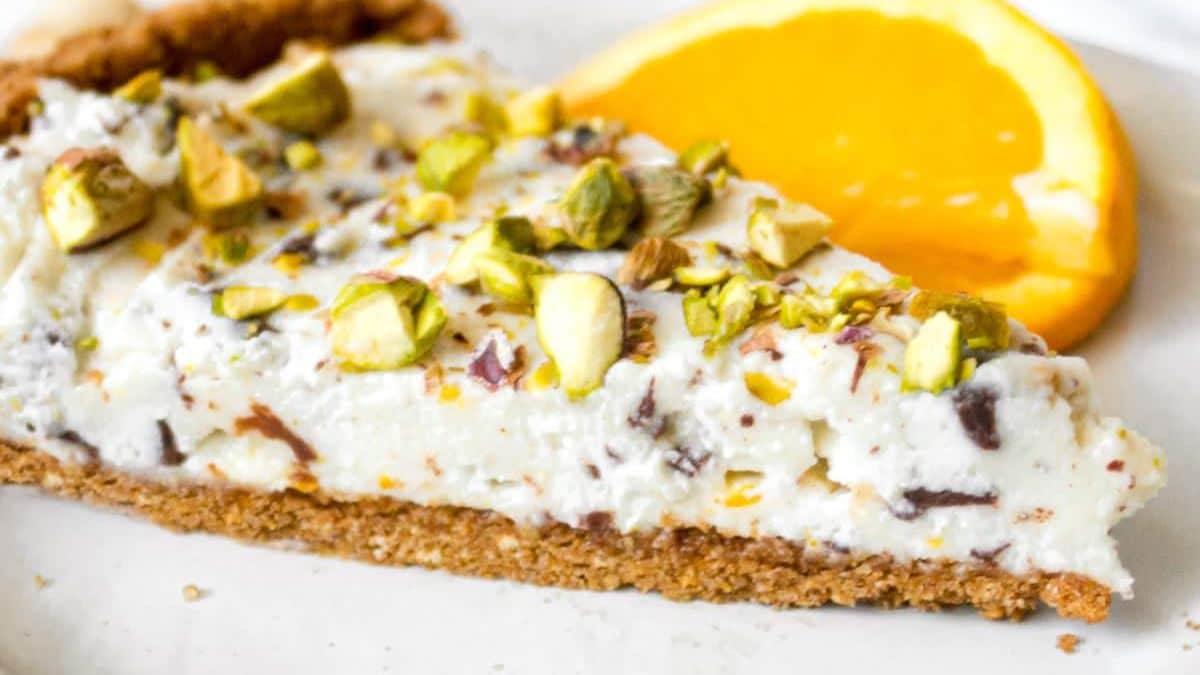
(239, 36)
(680, 564)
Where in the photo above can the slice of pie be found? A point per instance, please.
(377, 301)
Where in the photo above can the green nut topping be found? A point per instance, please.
(767, 295)
(808, 310)
(700, 277)
(382, 322)
(246, 302)
(509, 233)
(432, 207)
(144, 88)
(854, 286)
(220, 189)
(537, 112)
(599, 205)
(481, 109)
(451, 163)
(302, 155)
(650, 260)
(735, 306)
(580, 321)
(505, 275)
(547, 238)
(931, 361)
(984, 324)
(310, 100)
(704, 157)
(669, 198)
(783, 234)
(89, 196)
(698, 314)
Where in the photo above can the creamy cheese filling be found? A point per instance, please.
(115, 355)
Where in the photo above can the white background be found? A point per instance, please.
(114, 603)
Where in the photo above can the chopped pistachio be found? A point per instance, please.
(984, 324)
(302, 155)
(703, 157)
(481, 109)
(767, 295)
(220, 188)
(505, 275)
(537, 112)
(301, 302)
(735, 306)
(509, 233)
(384, 323)
(783, 234)
(205, 71)
(232, 247)
(245, 302)
(599, 205)
(700, 276)
(289, 263)
(854, 286)
(432, 207)
(88, 344)
(451, 163)
(669, 198)
(89, 196)
(580, 321)
(311, 99)
(143, 88)
(547, 238)
(698, 314)
(792, 312)
(652, 259)
(931, 361)
(768, 388)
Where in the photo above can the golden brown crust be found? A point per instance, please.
(239, 36)
(681, 564)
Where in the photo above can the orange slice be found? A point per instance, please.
(952, 140)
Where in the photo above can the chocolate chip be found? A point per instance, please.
(264, 420)
(976, 408)
(747, 420)
(592, 470)
(597, 522)
(11, 152)
(989, 556)
(169, 453)
(1116, 465)
(641, 417)
(687, 462)
(75, 439)
(921, 500)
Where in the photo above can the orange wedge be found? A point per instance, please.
(952, 140)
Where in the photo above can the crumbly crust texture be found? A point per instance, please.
(239, 36)
(681, 564)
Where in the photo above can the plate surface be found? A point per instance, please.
(114, 602)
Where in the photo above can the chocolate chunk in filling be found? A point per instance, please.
(976, 408)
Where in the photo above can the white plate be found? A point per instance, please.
(114, 603)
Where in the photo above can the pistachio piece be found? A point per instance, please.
(580, 321)
(220, 189)
(505, 275)
(245, 302)
(767, 295)
(384, 323)
(89, 196)
(791, 311)
(854, 286)
(735, 305)
(144, 88)
(509, 233)
(782, 234)
(703, 157)
(599, 205)
(432, 207)
(768, 388)
(481, 109)
(984, 324)
(302, 155)
(451, 163)
(311, 99)
(548, 238)
(537, 112)
(698, 314)
(650, 260)
(700, 276)
(931, 361)
(669, 198)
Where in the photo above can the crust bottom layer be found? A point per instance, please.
(680, 564)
